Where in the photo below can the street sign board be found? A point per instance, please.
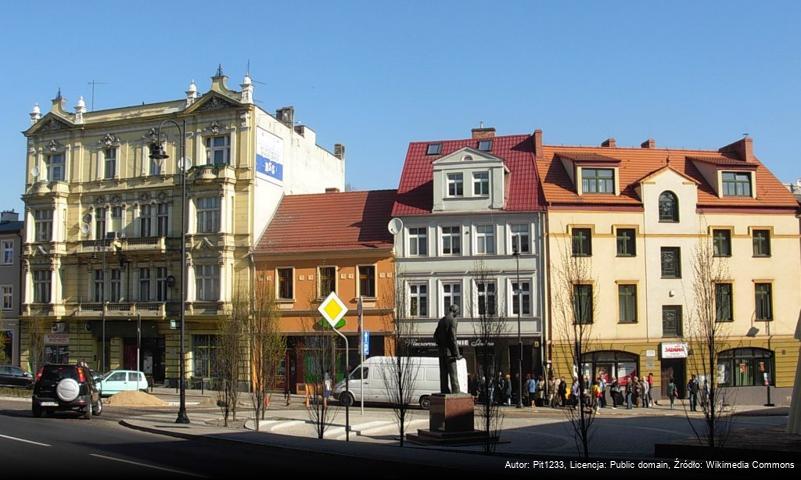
(366, 343)
(332, 309)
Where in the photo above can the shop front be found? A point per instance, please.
(673, 356)
(610, 365)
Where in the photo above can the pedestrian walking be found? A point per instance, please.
(651, 400)
(692, 393)
(596, 396)
(602, 387)
(508, 389)
(575, 393)
(531, 388)
(645, 392)
(672, 392)
(562, 392)
(704, 395)
(629, 393)
(540, 396)
(500, 389)
(614, 390)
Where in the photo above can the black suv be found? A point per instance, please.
(65, 387)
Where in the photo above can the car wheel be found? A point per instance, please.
(346, 399)
(36, 410)
(98, 408)
(87, 412)
(425, 402)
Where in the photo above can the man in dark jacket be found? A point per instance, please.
(692, 393)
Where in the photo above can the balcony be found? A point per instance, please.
(43, 188)
(43, 310)
(120, 309)
(212, 173)
(137, 244)
(208, 308)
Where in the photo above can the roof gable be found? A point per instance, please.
(466, 155)
(213, 100)
(49, 123)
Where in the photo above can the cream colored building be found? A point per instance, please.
(103, 222)
(637, 216)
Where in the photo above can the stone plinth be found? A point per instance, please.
(452, 412)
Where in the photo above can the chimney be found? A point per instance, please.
(9, 216)
(743, 148)
(332, 190)
(650, 143)
(300, 130)
(609, 143)
(286, 115)
(538, 154)
(483, 132)
(339, 151)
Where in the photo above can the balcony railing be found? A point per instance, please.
(121, 309)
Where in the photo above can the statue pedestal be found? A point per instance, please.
(450, 422)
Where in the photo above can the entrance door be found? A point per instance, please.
(673, 368)
(514, 355)
(129, 356)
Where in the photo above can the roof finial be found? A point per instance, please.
(667, 161)
(219, 70)
(481, 124)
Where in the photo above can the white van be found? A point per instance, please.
(376, 370)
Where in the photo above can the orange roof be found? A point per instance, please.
(639, 163)
(328, 222)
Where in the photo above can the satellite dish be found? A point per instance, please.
(85, 228)
(184, 163)
(35, 172)
(395, 226)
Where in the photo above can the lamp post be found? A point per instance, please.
(519, 292)
(768, 368)
(157, 153)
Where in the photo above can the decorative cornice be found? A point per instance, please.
(109, 140)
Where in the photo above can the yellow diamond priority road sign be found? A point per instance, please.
(332, 309)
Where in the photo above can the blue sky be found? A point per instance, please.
(375, 75)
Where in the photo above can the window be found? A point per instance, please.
(8, 297)
(418, 300)
(367, 280)
(162, 223)
(521, 297)
(55, 167)
(204, 355)
(144, 284)
(736, 184)
(671, 262)
(100, 283)
(582, 304)
(627, 303)
(161, 284)
(745, 367)
(8, 252)
(43, 225)
(626, 242)
(208, 215)
(668, 207)
(145, 214)
(723, 302)
(286, 289)
(582, 242)
(721, 243)
(207, 282)
(609, 365)
(671, 321)
(455, 185)
(761, 243)
(41, 286)
(100, 223)
(597, 180)
(520, 238)
(115, 285)
(485, 145)
(451, 295)
(451, 240)
(487, 305)
(110, 155)
(434, 149)
(116, 219)
(327, 281)
(485, 239)
(481, 183)
(418, 242)
(218, 150)
(764, 301)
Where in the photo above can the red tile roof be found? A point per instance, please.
(328, 222)
(415, 191)
(638, 163)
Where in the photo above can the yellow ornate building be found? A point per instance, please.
(103, 222)
(636, 217)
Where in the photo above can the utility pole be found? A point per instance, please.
(92, 84)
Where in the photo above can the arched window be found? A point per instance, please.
(610, 364)
(668, 207)
(745, 367)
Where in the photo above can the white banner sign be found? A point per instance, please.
(674, 350)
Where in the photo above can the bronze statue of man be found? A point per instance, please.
(445, 336)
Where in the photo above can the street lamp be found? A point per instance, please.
(768, 368)
(157, 153)
(519, 292)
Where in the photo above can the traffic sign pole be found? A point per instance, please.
(332, 309)
(361, 344)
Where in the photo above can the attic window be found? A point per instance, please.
(434, 149)
(485, 145)
(736, 184)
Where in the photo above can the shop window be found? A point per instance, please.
(745, 367)
(610, 365)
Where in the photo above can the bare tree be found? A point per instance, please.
(38, 330)
(488, 328)
(400, 374)
(320, 365)
(3, 358)
(229, 355)
(708, 334)
(575, 301)
(267, 346)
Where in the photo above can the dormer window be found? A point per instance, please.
(455, 185)
(668, 207)
(434, 149)
(485, 145)
(597, 180)
(481, 184)
(736, 184)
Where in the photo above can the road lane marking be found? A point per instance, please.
(24, 441)
(180, 472)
